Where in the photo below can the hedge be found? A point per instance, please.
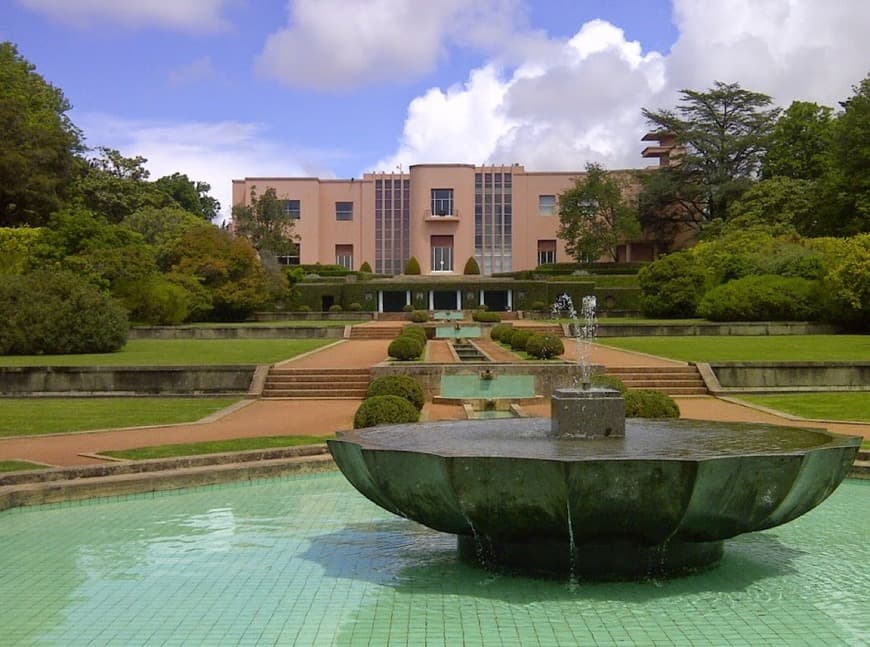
(384, 409)
(763, 298)
(405, 348)
(403, 386)
(544, 346)
(650, 404)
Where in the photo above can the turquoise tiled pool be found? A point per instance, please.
(308, 561)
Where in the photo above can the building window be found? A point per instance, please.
(442, 202)
(546, 252)
(344, 210)
(442, 253)
(546, 205)
(292, 259)
(344, 256)
(292, 209)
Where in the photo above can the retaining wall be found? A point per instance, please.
(792, 376)
(236, 332)
(705, 328)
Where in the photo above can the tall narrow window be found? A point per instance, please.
(546, 205)
(344, 210)
(292, 209)
(442, 202)
(292, 259)
(546, 252)
(442, 253)
(344, 256)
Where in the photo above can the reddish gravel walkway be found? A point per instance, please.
(321, 417)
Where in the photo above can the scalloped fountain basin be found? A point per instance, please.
(656, 502)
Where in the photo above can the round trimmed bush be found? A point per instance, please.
(407, 308)
(518, 339)
(405, 348)
(335, 308)
(56, 313)
(538, 305)
(763, 298)
(610, 382)
(419, 316)
(354, 307)
(544, 346)
(650, 404)
(500, 331)
(403, 386)
(384, 410)
(417, 332)
(484, 316)
(303, 308)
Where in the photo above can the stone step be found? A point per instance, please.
(375, 332)
(860, 470)
(660, 384)
(314, 379)
(320, 394)
(686, 370)
(318, 371)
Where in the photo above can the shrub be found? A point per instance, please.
(500, 331)
(384, 410)
(538, 305)
(365, 267)
(419, 316)
(650, 404)
(335, 308)
(416, 332)
(58, 313)
(610, 382)
(482, 316)
(412, 266)
(544, 346)
(405, 348)
(403, 386)
(157, 301)
(407, 308)
(763, 298)
(671, 286)
(303, 308)
(518, 338)
(471, 266)
(847, 284)
(354, 307)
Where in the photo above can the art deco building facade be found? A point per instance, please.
(441, 214)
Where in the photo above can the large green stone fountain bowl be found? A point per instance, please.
(658, 502)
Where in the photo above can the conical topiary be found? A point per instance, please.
(412, 266)
(471, 266)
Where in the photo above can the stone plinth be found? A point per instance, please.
(587, 413)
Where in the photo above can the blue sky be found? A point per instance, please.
(223, 89)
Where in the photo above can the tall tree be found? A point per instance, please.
(724, 132)
(190, 196)
(799, 142)
(38, 145)
(266, 224)
(594, 216)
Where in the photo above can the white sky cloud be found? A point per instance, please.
(579, 100)
(216, 152)
(185, 15)
(337, 45)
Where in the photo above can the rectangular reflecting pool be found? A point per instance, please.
(307, 561)
(474, 387)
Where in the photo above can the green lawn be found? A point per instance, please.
(783, 348)
(174, 352)
(30, 416)
(819, 406)
(17, 466)
(216, 447)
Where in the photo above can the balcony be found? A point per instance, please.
(428, 216)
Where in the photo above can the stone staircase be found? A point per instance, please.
(376, 332)
(317, 383)
(673, 380)
(543, 329)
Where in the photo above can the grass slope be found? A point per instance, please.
(850, 406)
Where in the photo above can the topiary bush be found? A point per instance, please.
(405, 348)
(412, 267)
(384, 410)
(763, 298)
(518, 339)
(419, 316)
(335, 308)
(365, 268)
(407, 308)
(417, 332)
(650, 404)
(403, 386)
(303, 308)
(58, 313)
(354, 307)
(471, 266)
(544, 346)
(610, 382)
(499, 331)
(483, 316)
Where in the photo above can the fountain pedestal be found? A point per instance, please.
(587, 413)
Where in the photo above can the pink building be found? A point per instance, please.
(441, 214)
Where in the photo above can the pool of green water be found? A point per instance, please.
(473, 387)
(307, 561)
(463, 332)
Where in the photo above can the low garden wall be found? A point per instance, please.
(236, 332)
(22, 381)
(792, 376)
(753, 328)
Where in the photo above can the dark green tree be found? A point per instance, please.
(799, 142)
(266, 224)
(594, 215)
(724, 133)
(189, 195)
(38, 143)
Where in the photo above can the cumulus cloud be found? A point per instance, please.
(579, 100)
(214, 152)
(334, 44)
(184, 15)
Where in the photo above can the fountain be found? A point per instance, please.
(590, 494)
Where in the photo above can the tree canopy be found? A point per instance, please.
(266, 224)
(594, 215)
